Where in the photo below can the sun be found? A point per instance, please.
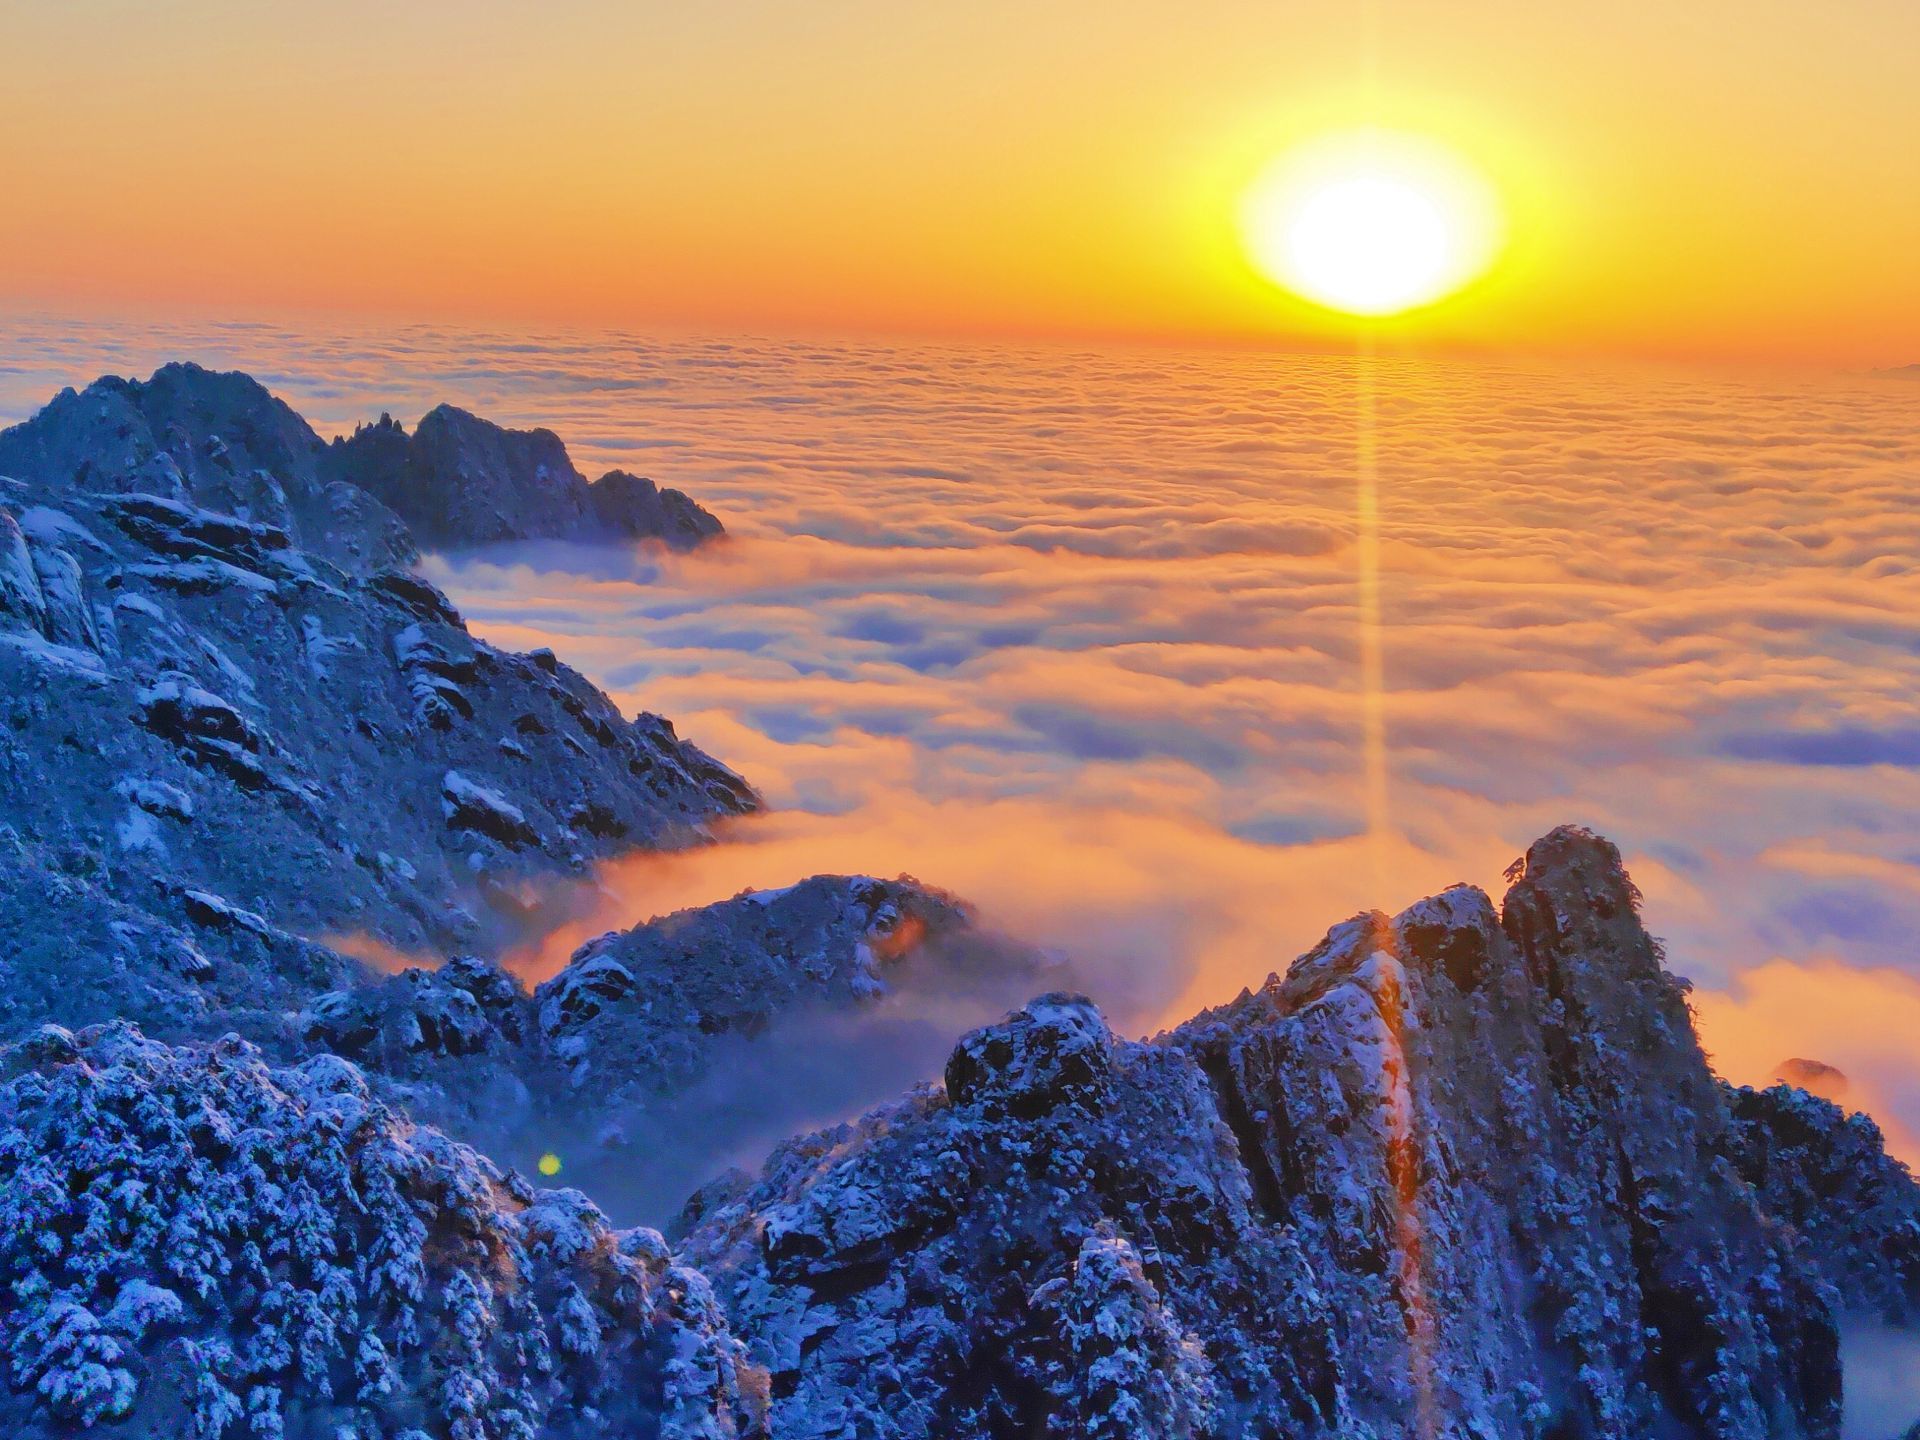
(1371, 222)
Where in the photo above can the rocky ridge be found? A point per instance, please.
(1827, 1174)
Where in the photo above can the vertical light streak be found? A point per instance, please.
(1373, 728)
(1373, 720)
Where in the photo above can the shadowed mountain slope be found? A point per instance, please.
(664, 1053)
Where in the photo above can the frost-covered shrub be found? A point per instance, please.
(1136, 1373)
(195, 1244)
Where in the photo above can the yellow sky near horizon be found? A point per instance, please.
(1711, 178)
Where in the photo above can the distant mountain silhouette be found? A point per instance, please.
(460, 480)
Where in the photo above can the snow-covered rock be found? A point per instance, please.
(189, 600)
(465, 1007)
(206, 727)
(69, 618)
(640, 1010)
(22, 606)
(440, 665)
(469, 805)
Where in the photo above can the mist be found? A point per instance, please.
(1882, 1370)
(814, 1066)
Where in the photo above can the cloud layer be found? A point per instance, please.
(1074, 634)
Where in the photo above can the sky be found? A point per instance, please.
(1724, 179)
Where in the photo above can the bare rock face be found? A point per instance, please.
(195, 1244)
(459, 481)
(1456, 1173)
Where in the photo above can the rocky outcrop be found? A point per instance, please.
(221, 443)
(195, 1244)
(1453, 1174)
(23, 608)
(944, 1244)
(458, 480)
(406, 1022)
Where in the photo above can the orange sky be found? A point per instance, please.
(1734, 178)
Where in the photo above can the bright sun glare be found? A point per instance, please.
(1371, 222)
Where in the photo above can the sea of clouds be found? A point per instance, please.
(1074, 633)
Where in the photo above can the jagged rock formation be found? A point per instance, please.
(1828, 1175)
(459, 480)
(657, 1053)
(214, 683)
(963, 1263)
(204, 441)
(223, 443)
(1454, 1174)
(195, 1245)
